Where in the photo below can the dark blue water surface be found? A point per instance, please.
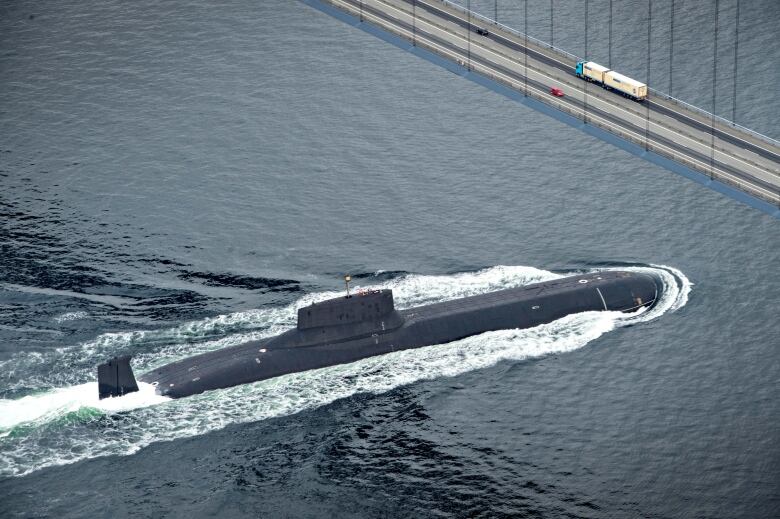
(180, 177)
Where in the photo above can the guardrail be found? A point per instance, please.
(514, 31)
(722, 120)
(569, 55)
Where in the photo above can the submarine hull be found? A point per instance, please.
(349, 329)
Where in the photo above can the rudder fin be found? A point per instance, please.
(115, 377)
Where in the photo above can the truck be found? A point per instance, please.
(611, 80)
(591, 71)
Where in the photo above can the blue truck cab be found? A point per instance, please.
(578, 68)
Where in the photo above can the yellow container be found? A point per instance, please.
(594, 71)
(625, 84)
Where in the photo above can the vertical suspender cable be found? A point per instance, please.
(647, 99)
(585, 90)
(609, 62)
(414, 23)
(468, 36)
(736, 56)
(552, 34)
(671, 47)
(495, 11)
(714, 80)
(361, 10)
(525, 18)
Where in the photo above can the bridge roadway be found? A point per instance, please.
(739, 158)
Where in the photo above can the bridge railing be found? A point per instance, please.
(709, 115)
(572, 57)
(512, 30)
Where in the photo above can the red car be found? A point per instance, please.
(557, 92)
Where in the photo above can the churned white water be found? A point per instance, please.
(34, 429)
(53, 404)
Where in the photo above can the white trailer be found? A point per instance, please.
(594, 71)
(625, 85)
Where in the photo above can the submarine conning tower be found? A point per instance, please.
(364, 313)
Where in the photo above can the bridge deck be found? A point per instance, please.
(740, 158)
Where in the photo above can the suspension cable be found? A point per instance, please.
(585, 97)
(714, 81)
(736, 61)
(671, 48)
(609, 62)
(525, 18)
(649, 54)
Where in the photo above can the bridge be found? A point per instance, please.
(708, 149)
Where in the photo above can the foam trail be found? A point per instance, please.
(152, 348)
(71, 316)
(65, 428)
(51, 405)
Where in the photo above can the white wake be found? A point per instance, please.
(57, 426)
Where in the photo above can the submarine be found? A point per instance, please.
(365, 324)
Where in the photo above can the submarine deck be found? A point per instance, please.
(436, 323)
(497, 298)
